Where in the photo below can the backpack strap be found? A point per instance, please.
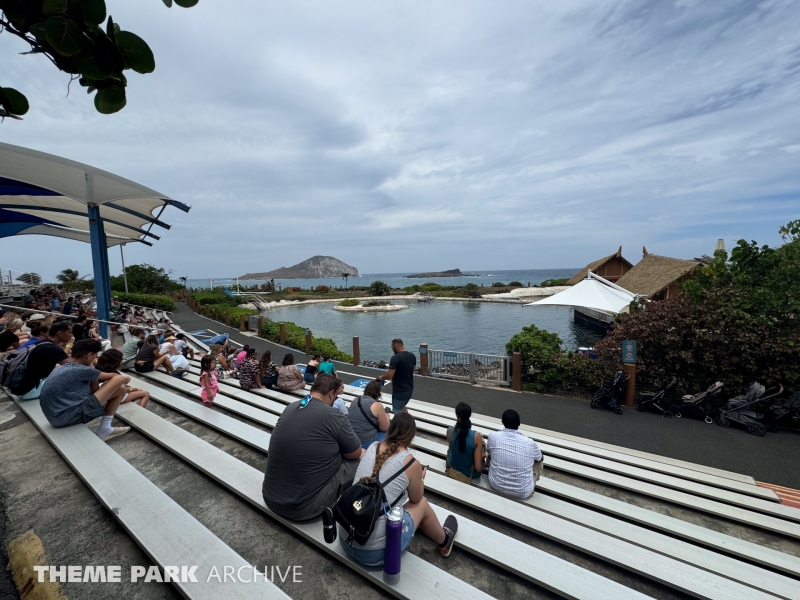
(363, 412)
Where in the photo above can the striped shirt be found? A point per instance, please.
(512, 457)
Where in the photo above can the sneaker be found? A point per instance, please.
(450, 529)
(116, 432)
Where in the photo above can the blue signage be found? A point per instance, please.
(360, 383)
(629, 352)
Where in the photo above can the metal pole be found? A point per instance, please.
(97, 237)
(124, 274)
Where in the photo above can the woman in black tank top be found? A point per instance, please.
(311, 369)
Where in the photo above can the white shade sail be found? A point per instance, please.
(49, 194)
(590, 293)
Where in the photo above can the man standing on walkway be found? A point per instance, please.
(401, 372)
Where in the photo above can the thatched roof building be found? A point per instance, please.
(611, 267)
(657, 277)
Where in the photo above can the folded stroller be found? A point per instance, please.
(784, 413)
(693, 405)
(739, 409)
(610, 396)
(654, 400)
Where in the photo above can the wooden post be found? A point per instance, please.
(516, 372)
(308, 341)
(630, 391)
(241, 322)
(260, 324)
(356, 352)
(207, 311)
(423, 359)
(216, 314)
(228, 318)
(282, 339)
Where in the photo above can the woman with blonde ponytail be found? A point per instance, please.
(382, 460)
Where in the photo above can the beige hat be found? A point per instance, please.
(36, 317)
(170, 338)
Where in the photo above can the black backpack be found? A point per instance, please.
(13, 366)
(361, 504)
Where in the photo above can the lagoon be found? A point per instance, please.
(464, 326)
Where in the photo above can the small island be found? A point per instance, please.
(450, 273)
(353, 305)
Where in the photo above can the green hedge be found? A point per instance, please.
(296, 338)
(217, 297)
(148, 300)
(349, 302)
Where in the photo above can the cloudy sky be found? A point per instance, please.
(406, 136)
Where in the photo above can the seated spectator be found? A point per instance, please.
(54, 303)
(339, 404)
(6, 316)
(222, 366)
(326, 366)
(313, 455)
(267, 370)
(513, 456)
(240, 356)
(77, 393)
(178, 360)
(183, 346)
(149, 358)
(110, 361)
(289, 376)
(381, 461)
(131, 348)
(464, 447)
(311, 369)
(68, 307)
(367, 416)
(81, 329)
(29, 300)
(249, 378)
(12, 337)
(43, 359)
(38, 332)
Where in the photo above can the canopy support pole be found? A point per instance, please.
(102, 277)
(124, 274)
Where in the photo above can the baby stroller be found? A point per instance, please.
(654, 399)
(784, 413)
(694, 404)
(738, 409)
(610, 395)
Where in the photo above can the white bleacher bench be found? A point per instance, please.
(573, 531)
(164, 530)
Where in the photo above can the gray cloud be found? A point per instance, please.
(419, 135)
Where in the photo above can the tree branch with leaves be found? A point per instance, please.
(70, 34)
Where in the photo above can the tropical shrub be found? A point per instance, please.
(536, 347)
(216, 297)
(430, 287)
(471, 291)
(322, 288)
(145, 279)
(296, 338)
(498, 284)
(349, 302)
(379, 288)
(551, 282)
(514, 284)
(148, 300)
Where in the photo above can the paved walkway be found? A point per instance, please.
(771, 458)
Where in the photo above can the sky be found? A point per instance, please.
(410, 136)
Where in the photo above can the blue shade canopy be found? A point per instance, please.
(48, 195)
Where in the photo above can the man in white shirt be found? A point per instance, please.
(514, 457)
(183, 347)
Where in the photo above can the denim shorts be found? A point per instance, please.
(399, 400)
(374, 558)
(380, 438)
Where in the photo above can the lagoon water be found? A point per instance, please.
(479, 327)
(444, 325)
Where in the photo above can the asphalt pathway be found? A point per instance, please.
(771, 459)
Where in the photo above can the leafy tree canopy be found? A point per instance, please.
(379, 288)
(71, 35)
(145, 279)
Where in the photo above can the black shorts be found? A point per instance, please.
(144, 367)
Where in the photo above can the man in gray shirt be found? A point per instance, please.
(313, 455)
(72, 393)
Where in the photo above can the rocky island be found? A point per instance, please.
(450, 273)
(314, 268)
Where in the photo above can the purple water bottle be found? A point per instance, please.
(391, 556)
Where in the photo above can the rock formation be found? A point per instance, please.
(313, 268)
